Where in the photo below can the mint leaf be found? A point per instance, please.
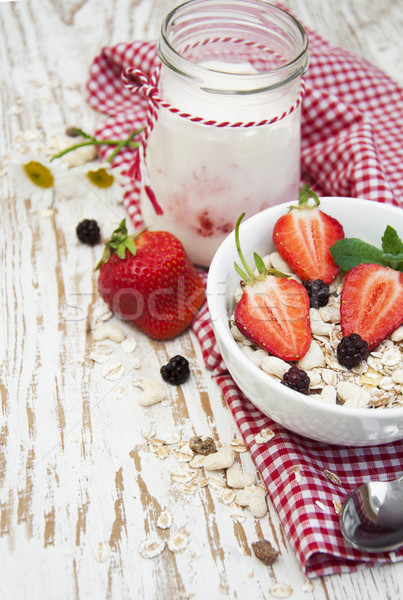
(394, 261)
(350, 252)
(391, 242)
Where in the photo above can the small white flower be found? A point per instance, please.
(95, 178)
(33, 175)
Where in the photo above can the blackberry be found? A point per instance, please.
(88, 232)
(297, 380)
(176, 371)
(318, 292)
(351, 350)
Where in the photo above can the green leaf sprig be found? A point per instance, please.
(248, 276)
(351, 252)
(93, 141)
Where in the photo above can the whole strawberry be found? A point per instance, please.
(148, 280)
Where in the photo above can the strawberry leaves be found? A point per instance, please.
(351, 252)
(120, 242)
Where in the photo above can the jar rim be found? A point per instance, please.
(175, 60)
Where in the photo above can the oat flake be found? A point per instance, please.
(113, 372)
(178, 542)
(129, 345)
(238, 445)
(337, 506)
(216, 482)
(321, 505)
(182, 474)
(307, 586)
(332, 477)
(165, 519)
(297, 474)
(265, 435)
(151, 547)
(226, 496)
(171, 437)
(98, 358)
(101, 551)
(281, 590)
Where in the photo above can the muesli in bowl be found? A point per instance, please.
(345, 344)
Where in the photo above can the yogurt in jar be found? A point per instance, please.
(205, 175)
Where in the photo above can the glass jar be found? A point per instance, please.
(226, 138)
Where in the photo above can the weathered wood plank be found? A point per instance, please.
(76, 472)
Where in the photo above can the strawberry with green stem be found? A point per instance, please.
(303, 237)
(273, 311)
(147, 279)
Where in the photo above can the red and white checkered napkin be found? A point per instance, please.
(352, 146)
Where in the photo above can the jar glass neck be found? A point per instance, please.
(233, 47)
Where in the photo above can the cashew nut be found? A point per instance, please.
(152, 392)
(223, 458)
(254, 497)
(108, 331)
(237, 478)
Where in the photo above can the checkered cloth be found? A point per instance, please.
(352, 145)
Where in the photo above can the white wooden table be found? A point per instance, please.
(80, 486)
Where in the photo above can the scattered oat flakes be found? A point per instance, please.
(239, 518)
(113, 372)
(332, 477)
(162, 452)
(307, 586)
(183, 454)
(226, 496)
(135, 362)
(182, 474)
(151, 547)
(101, 551)
(337, 506)
(264, 435)
(149, 434)
(204, 446)
(265, 552)
(321, 505)
(106, 349)
(197, 461)
(170, 438)
(216, 482)
(46, 212)
(178, 542)
(102, 313)
(165, 519)
(98, 358)
(297, 473)
(129, 345)
(238, 445)
(202, 482)
(281, 590)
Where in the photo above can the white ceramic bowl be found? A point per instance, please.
(305, 415)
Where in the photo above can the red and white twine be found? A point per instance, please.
(137, 82)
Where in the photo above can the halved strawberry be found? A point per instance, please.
(371, 302)
(273, 311)
(303, 237)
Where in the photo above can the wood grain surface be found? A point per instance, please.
(81, 486)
